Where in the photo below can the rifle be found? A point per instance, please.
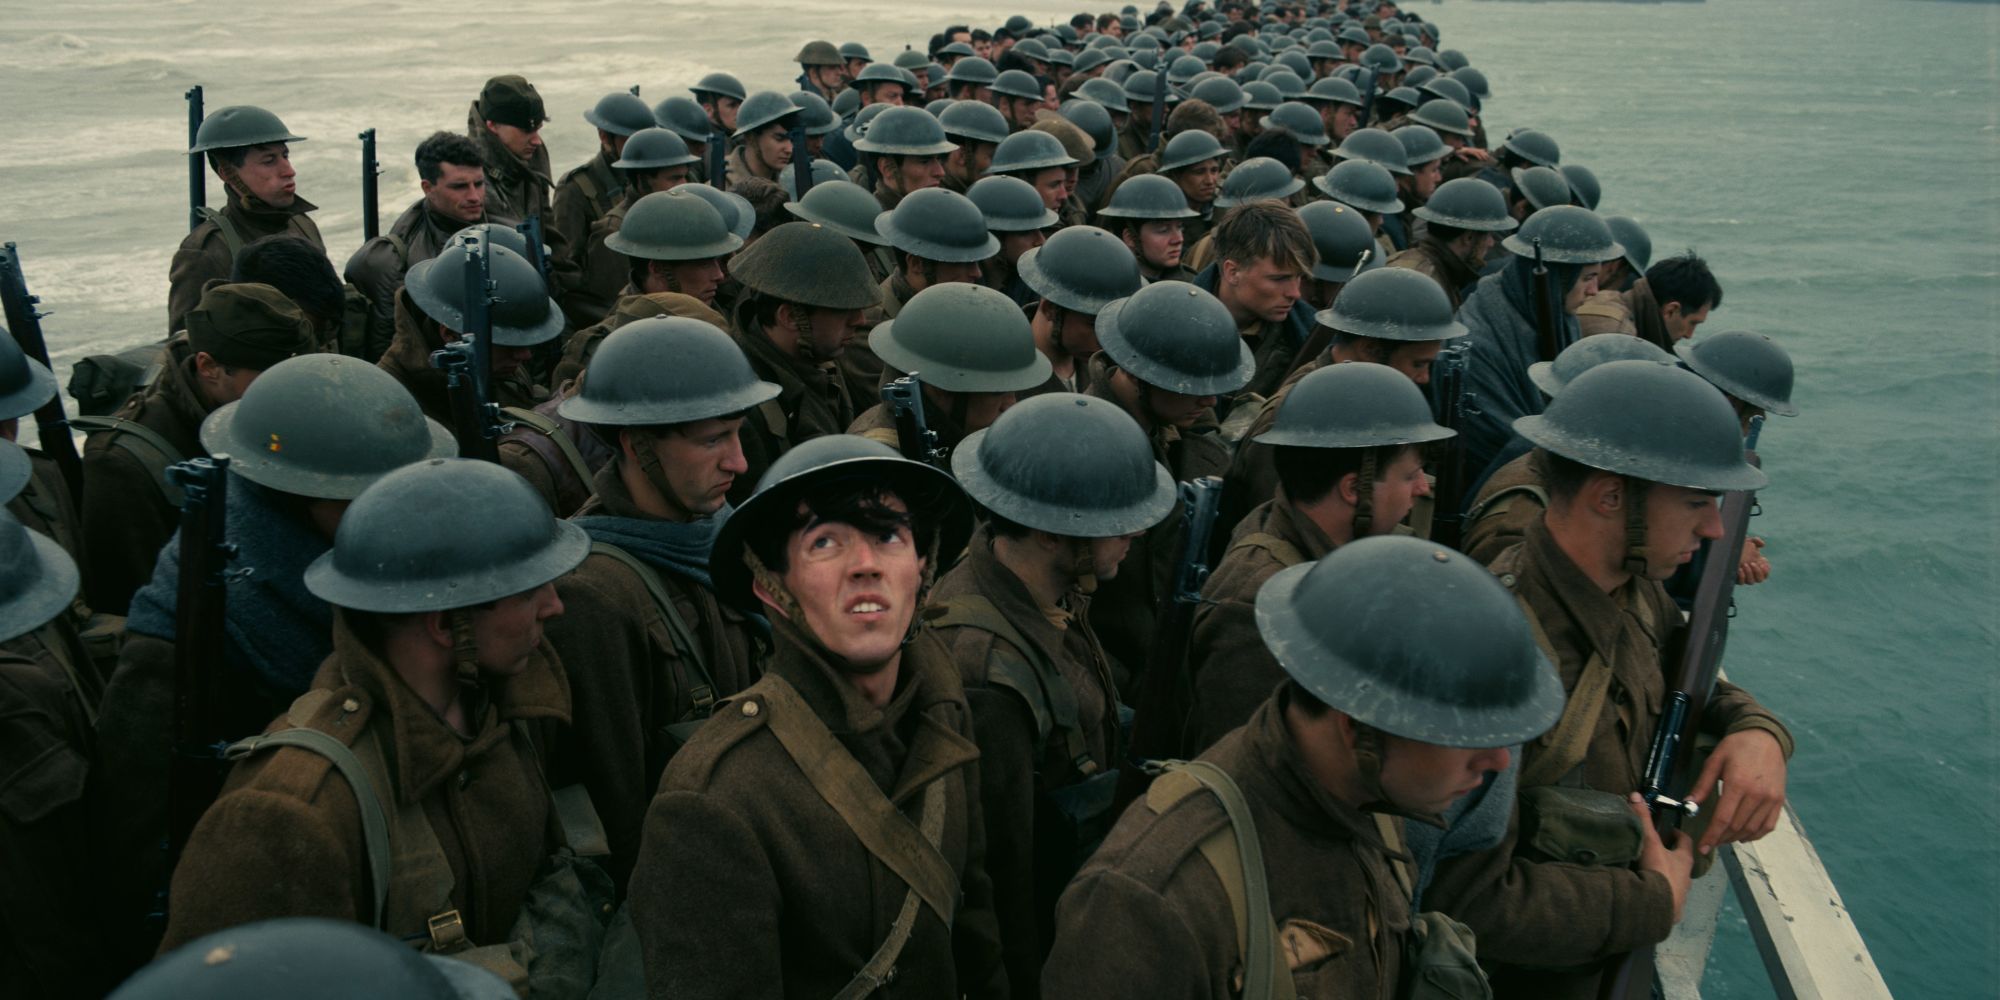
(905, 399)
(468, 364)
(635, 90)
(1159, 105)
(531, 230)
(1165, 696)
(26, 323)
(1696, 652)
(717, 160)
(1454, 405)
(802, 161)
(1367, 99)
(1548, 339)
(197, 177)
(371, 214)
(205, 553)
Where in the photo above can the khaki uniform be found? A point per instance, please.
(812, 402)
(1253, 472)
(1132, 139)
(1199, 254)
(602, 271)
(514, 190)
(741, 168)
(1233, 671)
(209, 252)
(127, 515)
(1510, 500)
(1633, 311)
(1148, 917)
(1035, 758)
(878, 424)
(1127, 604)
(638, 680)
(542, 460)
(54, 943)
(1565, 920)
(1431, 259)
(631, 305)
(409, 360)
(858, 364)
(584, 195)
(285, 839)
(750, 884)
(377, 269)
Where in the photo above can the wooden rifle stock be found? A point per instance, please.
(205, 552)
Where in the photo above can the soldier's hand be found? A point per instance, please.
(1473, 153)
(1751, 767)
(1675, 863)
(1753, 568)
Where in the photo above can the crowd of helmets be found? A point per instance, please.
(989, 215)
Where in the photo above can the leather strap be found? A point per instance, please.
(1569, 742)
(548, 428)
(703, 693)
(1237, 856)
(881, 967)
(1049, 695)
(152, 450)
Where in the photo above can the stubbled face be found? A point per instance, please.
(914, 173)
(522, 142)
(829, 330)
(969, 163)
(948, 272)
(1263, 287)
(508, 633)
(1415, 359)
(1200, 182)
(458, 194)
(1474, 246)
(268, 175)
(1396, 491)
(700, 462)
(1013, 245)
(857, 590)
(721, 111)
(1426, 779)
(1678, 520)
(1584, 287)
(1107, 554)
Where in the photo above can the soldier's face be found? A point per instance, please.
(970, 161)
(721, 110)
(699, 460)
(1426, 779)
(1013, 245)
(1052, 183)
(1425, 177)
(268, 175)
(915, 173)
(1176, 409)
(1474, 246)
(856, 589)
(1415, 359)
(774, 147)
(855, 66)
(1159, 244)
(1079, 334)
(886, 93)
(982, 408)
(1584, 287)
(458, 194)
(522, 142)
(1395, 493)
(1107, 554)
(1264, 287)
(1678, 519)
(1343, 120)
(948, 272)
(666, 179)
(507, 633)
(699, 278)
(1679, 323)
(1199, 182)
(829, 330)
(1233, 121)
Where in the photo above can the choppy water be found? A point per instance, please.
(1834, 159)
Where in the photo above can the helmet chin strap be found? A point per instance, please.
(464, 647)
(649, 466)
(1364, 495)
(1635, 527)
(1082, 566)
(1369, 751)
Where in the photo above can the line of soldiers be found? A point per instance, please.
(727, 679)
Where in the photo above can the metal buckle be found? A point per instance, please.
(447, 931)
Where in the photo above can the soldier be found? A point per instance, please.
(129, 508)
(972, 351)
(806, 291)
(1664, 307)
(1522, 148)
(1339, 103)
(1018, 95)
(41, 501)
(1623, 273)
(904, 151)
(720, 95)
(1038, 158)
(817, 121)
(1501, 314)
(1077, 273)
(848, 209)
(1147, 212)
(673, 244)
(584, 194)
(1345, 246)
(1094, 178)
(423, 711)
(431, 312)
(1368, 188)
(684, 118)
(975, 131)
(1066, 483)
(314, 959)
(1634, 453)
(972, 79)
(1371, 727)
(248, 148)
(1018, 217)
(308, 437)
(506, 120)
(1462, 220)
(939, 238)
(1347, 448)
(1137, 138)
(1513, 492)
(1426, 152)
(55, 944)
(451, 172)
(856, 57)
(1193, 161)
(1301, 124)
(1534, 189)
(1170, 351)
(1260, 178)
(668, 396)
(762, 138)
(767, 804)
(1263, 254)
(1077, 146)
(821, 70)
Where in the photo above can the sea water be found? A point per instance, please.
(1834, 160)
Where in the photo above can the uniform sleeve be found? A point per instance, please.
(1008, 749)
(601, 643)
(705, 902)
(1733, 710)
(125, 523)
(1233, 670)
(1115, 937)
(197, 261)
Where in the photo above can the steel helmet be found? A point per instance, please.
(1082, 269)
(666, 370)
(1588, 353)
(1335, 89)
(1104, 92)
(522, 313)
(1340, 236)
(25, 384)
(940, 225)
(1221, 93)
(973, 70)
(734, 208)
(1748, 366)
(1443, 116)
(905, 132)
(1261, 96)
(1647, 420)
(1420, 144)
(1299, 121)
(673, 225)
(1188, 149)
(1630, 235)
(819, 53)
(240, 125)
(654, 149)
(765, 107)
(962, 337)
(683, 117)
(1393, 303)
(1093, 120)
(1569, 235)
(620, 113)
(842, 206)
(1467, 203)
(816, 117)
(1543, 187)
(1069, 465)
(1010, 205)
(1364, 185)
(1148, 196)
(1257, 179)
(1375, 146)
(975, 120)
(1535, 147)
(307, 958)
(1178, 337)
(41, 578)
(1583, 183)
(823, 172)
(1028, 151)
(809, 264)
(719, 84)
(1358, 404)
(1017, 83)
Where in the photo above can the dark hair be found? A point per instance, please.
(981, 35)
(298, 269)
(1105, 21)
(938, 41)
(1229, 58)
(1276, 145)
(1685, 279)
(859, 501)
(232, 155)
(1082, 22)
(1309, 474)
(1307, 702)
(1011, 59)
(1563, 477)
(442, 148)
(1230, 34)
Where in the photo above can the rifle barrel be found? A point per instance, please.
(198, 643)
(371, 214)
(24, 320)
(197, 177)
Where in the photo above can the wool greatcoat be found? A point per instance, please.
(751, 885)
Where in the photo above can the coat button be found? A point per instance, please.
(750, 708)
(350, 705)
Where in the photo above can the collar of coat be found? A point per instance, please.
(1555, 586)
(424, 750)
(260, 214)
(1285, 520)
(1289, 786)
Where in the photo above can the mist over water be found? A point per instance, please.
(1835, 160)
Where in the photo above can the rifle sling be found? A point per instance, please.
(142, 443)
(703, 693)
(1237, 856)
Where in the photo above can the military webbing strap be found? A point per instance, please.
(843, 784)
(881, 966)
(1237, 857)
(549, 428)
(231, 236)
(1050, 697)
(703, 693)
(1479, 509)
(1569, 742)
(1392, 838)
(142, 443)
(1285, 552)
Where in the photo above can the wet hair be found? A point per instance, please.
(1685, 279)
(1264, 230)
(1310, 474)
(859, 501)
(442, 148)
(296, 268)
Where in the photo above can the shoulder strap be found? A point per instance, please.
(402, 248)
(1049, 696)
(142, 443)
(374, 818)
(1392, 838)
(1479, 509)
(843, 784)
(1237, 857)
(1569, 742)
(587, 186)
(1281, 550)
(549, 428)
(231, 236)
(774, 418)
(881, 966)
(703, 694)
